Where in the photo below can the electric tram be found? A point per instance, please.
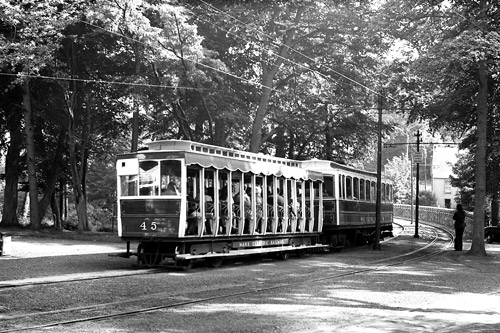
(184, 201)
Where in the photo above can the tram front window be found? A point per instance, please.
(148, 177)
(170, 177)
(154, 178)
(128, 185)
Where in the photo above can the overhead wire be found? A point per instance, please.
(183, 58)
(210, 67)
(295, 50)
(264, 47)
(148, 85)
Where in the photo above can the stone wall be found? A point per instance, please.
(442, 217)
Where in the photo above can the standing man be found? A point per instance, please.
(459, 218)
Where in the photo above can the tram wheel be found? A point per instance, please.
(184, 264)
(284, 255)
(214, 262)
(301, 253)
(150, 259)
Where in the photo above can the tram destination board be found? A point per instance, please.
(261, 243)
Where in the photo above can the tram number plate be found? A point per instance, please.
(262, 243)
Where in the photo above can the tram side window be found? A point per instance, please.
(362, 189)
(342, 186)
(387, 193)
(348, 187)
(383, 192)
(329, 187)
(355, 188)
(367, 190)
(148, 177)
(372, 191)
(170, 177)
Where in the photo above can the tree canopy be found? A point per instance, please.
(296, 79)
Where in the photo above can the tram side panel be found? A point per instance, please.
(355, 223)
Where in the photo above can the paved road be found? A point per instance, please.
(452, 292)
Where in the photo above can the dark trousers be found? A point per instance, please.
(459, 233)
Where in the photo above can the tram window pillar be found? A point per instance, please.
(310, 198)
(303, 205)
(230, 203)
(201, 201)
(216, 200)
(320, 207)
(275, 204)
(265, 214)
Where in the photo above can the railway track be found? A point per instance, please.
(436, 242)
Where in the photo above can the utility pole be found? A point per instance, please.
(418, 135)
(376, 243)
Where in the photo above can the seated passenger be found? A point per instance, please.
(279, 198)
(171, 189)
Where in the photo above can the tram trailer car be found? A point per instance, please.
(184, 201)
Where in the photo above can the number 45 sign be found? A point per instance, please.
(148, 226)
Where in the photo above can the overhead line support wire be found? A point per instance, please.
(193, 61)
(298, 52)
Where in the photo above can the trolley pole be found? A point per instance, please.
(418, 135)
(376, 242)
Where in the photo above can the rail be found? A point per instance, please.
(434, 215)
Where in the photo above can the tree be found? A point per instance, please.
(299, 57)
(9, 106)
(29, 46)
(398, 171)
(449, 78)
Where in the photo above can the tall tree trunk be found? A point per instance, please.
(30, 152)
(135, 118)
(55, 212)
(268, 75)
(9, 212)
(328, 136)
(477, 247)
(53, 176)
(76, 177)
(24, 213)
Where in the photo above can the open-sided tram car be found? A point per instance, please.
(184, 201)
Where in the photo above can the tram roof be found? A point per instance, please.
(226, 158)
(329, 166)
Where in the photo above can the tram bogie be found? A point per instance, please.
(185, 201)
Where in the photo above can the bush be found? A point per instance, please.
(427, 198)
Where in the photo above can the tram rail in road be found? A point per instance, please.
(439, 241)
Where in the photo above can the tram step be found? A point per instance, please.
(234, 253)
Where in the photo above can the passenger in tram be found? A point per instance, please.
(247, 207)
(224, 211)
(279, 197)
(208, 195)
(223, 193)
(172, 189)
(236, 207)
(209, 208)
(270, 203)
(259, 208)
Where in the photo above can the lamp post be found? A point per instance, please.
(417, 160)
(376, 243)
